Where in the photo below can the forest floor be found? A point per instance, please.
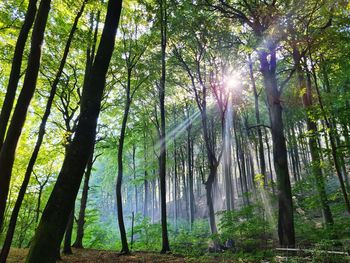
(105, 256)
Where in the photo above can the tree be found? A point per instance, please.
(260, 23)
(162, 137)
(132, 57)
(7, 154)
(55, 216)
(16, 69)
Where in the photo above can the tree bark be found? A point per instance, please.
(83, 202)
(162, 138)
(331, 138)
(16, 68)
(8, 149)
(285, 205)
(190, 173)
(67, 249)
(29, 169)
(55, 216)
(312, 139)
(125, 247)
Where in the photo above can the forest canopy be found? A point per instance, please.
(210, 129)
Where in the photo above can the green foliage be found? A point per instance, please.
(147, 235)
(247, 227)
(192, 242)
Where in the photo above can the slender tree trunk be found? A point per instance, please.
(37, 212)
(162, 154)
(269, 159)
(55, 216)
(146, 181)
(8, 149)
(313, 138)
(125, 248)
(68, 236)
(83, 202)
(134, 172)
(190, 174)
(16, 68)
(331, 139)
(257, 118)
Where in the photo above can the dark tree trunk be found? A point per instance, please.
(67, 249)
(16, 69)
(190, 173)
(37, 212)
(209, 194)
(285, 205)
(7, 154)
(55, 216)
(38, 143)
(162, 154)
(83, 202)
(125, 247)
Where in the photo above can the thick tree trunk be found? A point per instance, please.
(7, 154)
(16, 69)
(55, 216)
(285, 205)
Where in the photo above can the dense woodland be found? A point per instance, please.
(206, 128)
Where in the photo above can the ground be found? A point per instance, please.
(103, 256)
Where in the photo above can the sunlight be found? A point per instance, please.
(232, 82)
(178, 130)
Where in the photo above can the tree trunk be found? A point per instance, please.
(331, 140)
(146, 181)
(162, 154)
(7, 154)
(55, 216)
(209, 194)
(285, 205)
(257, 118)
(68, 236)
(16, 69)
(83, 202)
(29, 170)
(313, 138)
(125, 247)
(190, 174)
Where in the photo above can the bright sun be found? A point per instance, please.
(232, 81)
